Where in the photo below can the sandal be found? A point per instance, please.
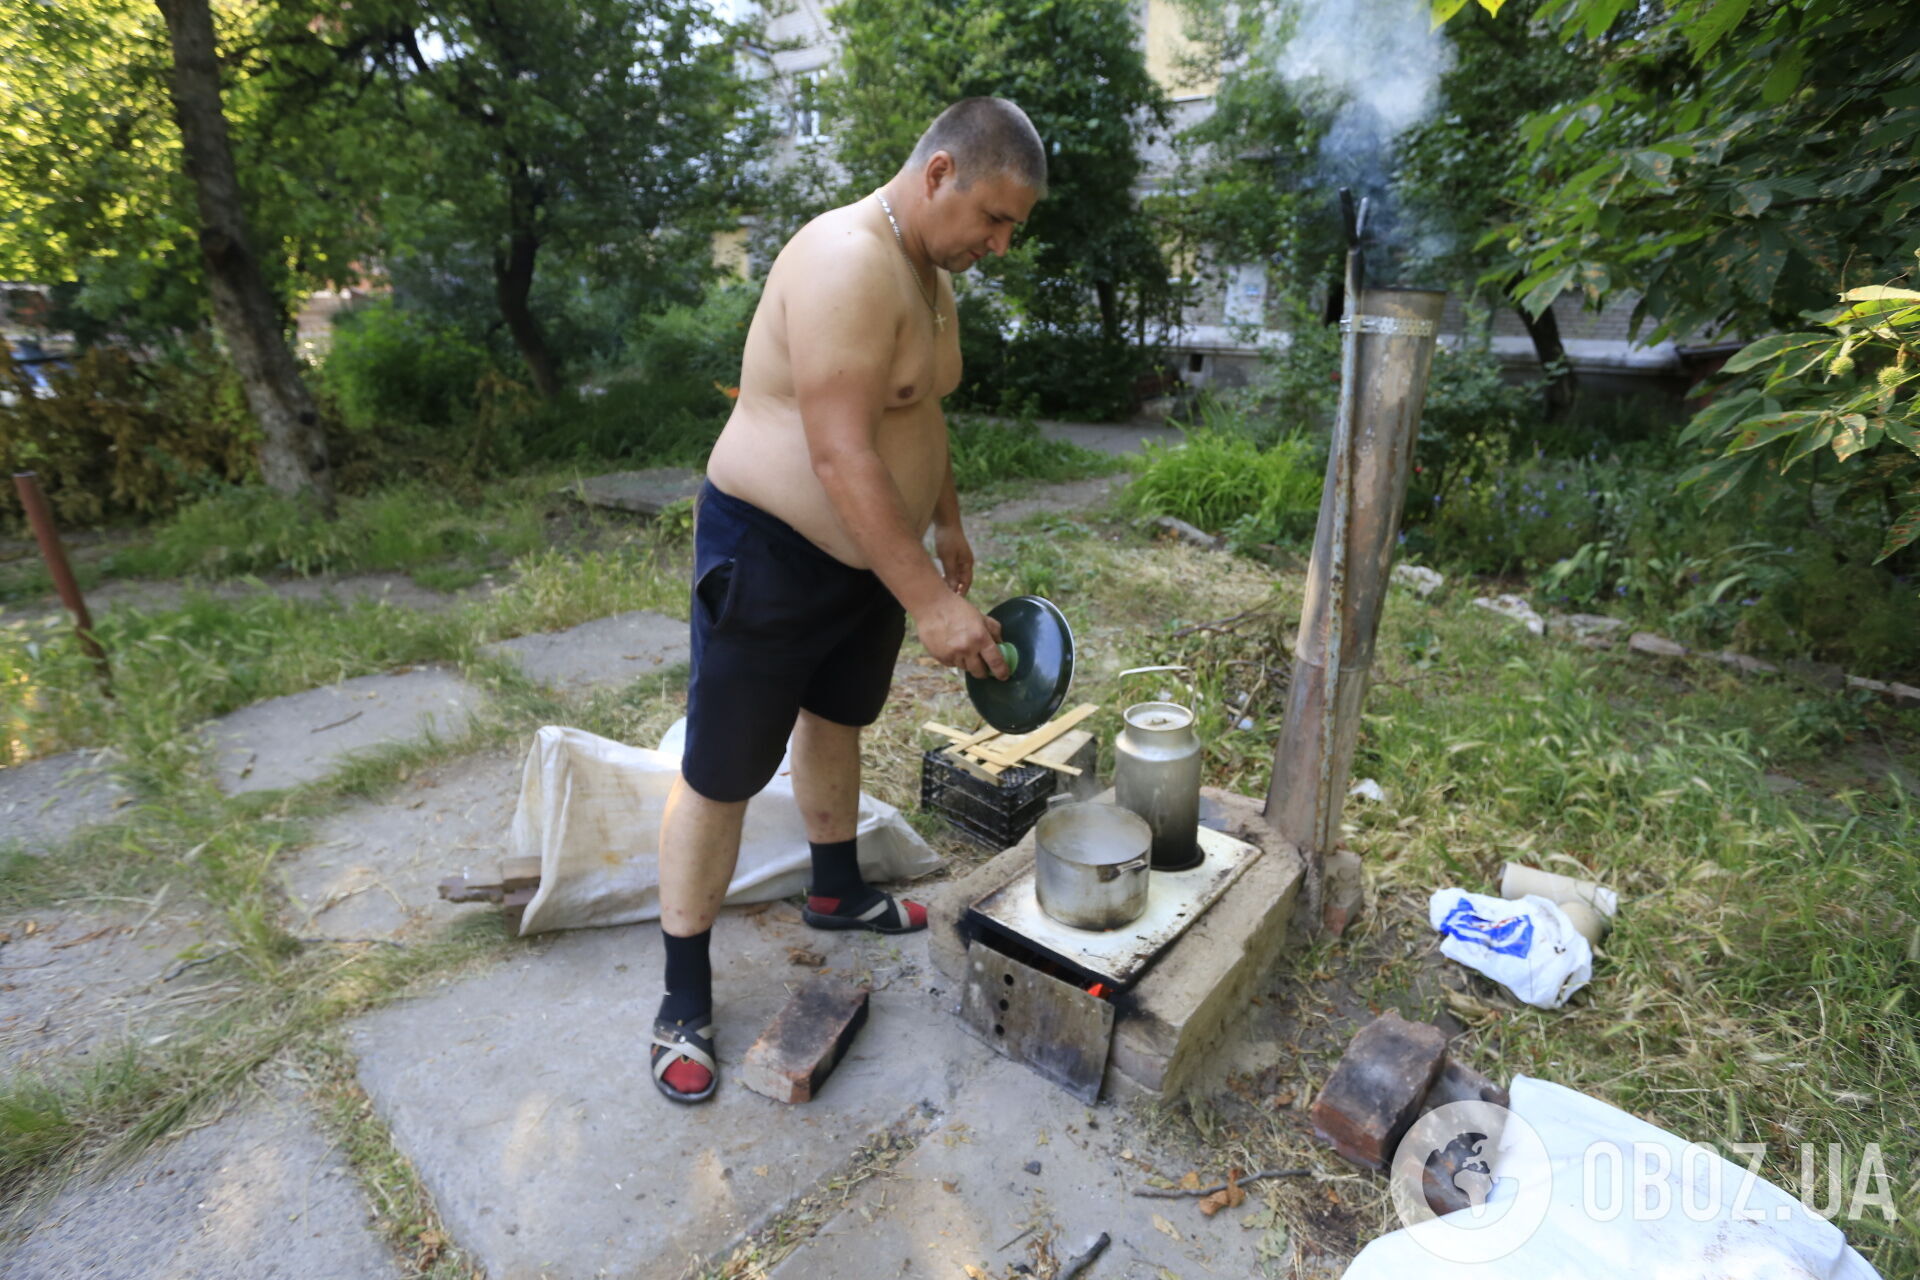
(688, 1044)
(884, 914)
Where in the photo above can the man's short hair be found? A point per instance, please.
(985, 136)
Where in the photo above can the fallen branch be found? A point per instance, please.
(1181, 1193)
(1082, 1261)
(1223, 626)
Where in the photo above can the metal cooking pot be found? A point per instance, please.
(1091, 863)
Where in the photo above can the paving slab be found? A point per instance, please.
(605, 652)
(260, 1194)
(523, 1097)
(300, 738)
(645, 493)
(73, 982)
(44, 802)
(969, 1196)
(1118, 438)
(373, 869)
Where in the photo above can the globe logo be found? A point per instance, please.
(1484, 1163)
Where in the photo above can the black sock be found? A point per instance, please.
(689, 977)
(836, 871)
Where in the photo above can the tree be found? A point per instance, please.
(610, 136)
(1091, 258)
(1741, 165)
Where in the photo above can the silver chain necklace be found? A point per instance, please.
(939, 320)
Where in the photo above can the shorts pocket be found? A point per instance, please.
(716, 592)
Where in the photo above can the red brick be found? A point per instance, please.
(805, 1041)
(1375, 1092)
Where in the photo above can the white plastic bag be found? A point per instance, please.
(1583, 1191)
(1529, 946)
(590, 811)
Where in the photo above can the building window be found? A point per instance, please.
(805, 100)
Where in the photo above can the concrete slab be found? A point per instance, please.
(44, 802)
(259, 1195)
(1114, 437)
(605, 652)
(522, 1095)
(645, 493)
(72, 982)
(1181, 1009)
(373, 869)
(967, 1198)
(284, 742)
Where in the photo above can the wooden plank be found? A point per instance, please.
(1052, 1026)
(969, 766)
(519, 873)
(1018, 749)
(1057, 753)
(961, 737)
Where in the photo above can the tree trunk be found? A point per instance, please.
(293, 451)
(1107, 296)
(1544, 329)
(513, 282)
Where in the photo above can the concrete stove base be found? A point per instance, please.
(1180, 1009)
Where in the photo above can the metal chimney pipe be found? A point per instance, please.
(1386, 357)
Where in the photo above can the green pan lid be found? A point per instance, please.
(1038, 646)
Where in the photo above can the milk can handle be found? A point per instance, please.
(1136, 671)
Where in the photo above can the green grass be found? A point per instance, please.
(1216, 478)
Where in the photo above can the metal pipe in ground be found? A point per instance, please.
(1388, 356)
(34, 503)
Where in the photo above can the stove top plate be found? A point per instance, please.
(1175, 899)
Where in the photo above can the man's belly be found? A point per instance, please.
(762, 458)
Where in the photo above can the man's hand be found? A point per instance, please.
(955, 555)
(959, 635)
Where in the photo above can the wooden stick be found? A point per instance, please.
(1082, 1261)
(1019, 748)
(1180, 1193)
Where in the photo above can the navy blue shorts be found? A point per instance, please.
(778, 625)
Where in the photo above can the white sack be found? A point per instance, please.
(590, 811)
(1528, 946)
(1751, 1230)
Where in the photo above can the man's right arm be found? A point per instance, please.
(842, 331)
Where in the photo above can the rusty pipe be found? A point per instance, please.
(34, 503)
(1386, 358)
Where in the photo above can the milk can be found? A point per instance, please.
(1156, 774)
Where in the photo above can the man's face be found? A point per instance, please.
(966, 224)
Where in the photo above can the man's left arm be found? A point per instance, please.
(949, 540)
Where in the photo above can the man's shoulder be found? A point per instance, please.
(839, 241)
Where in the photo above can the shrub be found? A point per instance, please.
(393, 368)
(1220, 478)
(986, 453)
(124, 437)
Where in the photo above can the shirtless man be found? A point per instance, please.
(808, 542)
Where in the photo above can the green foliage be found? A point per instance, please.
(1219, 476)
(1848, 391)
(1730, 163)
(1090, 277)
(394, 369)
(985, 453)
(121, 437)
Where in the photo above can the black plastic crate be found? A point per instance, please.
(995, 814)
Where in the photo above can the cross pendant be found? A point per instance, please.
(940, 321)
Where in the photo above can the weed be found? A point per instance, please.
(1217, 477)
(985, 452)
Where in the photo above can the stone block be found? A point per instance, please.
(1343, 895)
(1377, 1089)
(1655, 646)
(645, 493)
(805, 1041)
(603, 653)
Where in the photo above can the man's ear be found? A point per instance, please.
(940, 171)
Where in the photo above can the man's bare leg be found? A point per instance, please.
(699, 845)
(826, 782)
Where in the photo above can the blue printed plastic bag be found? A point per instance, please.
(1529, 947)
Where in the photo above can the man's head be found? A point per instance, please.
(980, 168)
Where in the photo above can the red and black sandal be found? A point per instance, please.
(681, 1052)
(883, 914)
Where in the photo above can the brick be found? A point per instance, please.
(460, 889)
(805, 1041)
(1656, 646)
(1376, 1091)
(1458, 1082)
(1342, 891)
(516, 906)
